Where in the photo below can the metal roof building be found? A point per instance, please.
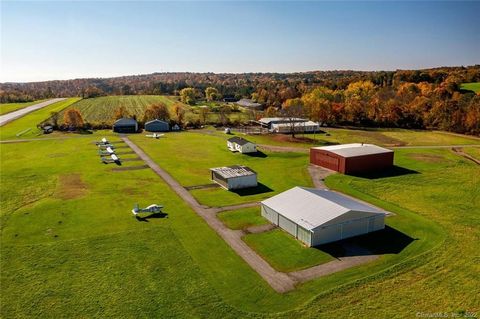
(125, 125)
(234, 177)
(352, 158)
(318, 216)
(157, 126)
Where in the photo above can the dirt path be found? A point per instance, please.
(459, 151)
(279, 281)
(6, 118)
(318, 175)
(234, 207)
(275, 148)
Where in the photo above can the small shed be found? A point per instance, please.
(234, 177)
(157, 126)
(319, 216)
(239, 144)
(125, 125)
(352, 158)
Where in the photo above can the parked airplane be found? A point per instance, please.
(103, 141)
(110, 150)
(106, 145)
(154, 208)
(155, 135)
(113, 159)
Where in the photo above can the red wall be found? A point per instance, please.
(351, 164)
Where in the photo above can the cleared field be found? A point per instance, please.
(28, 124)
(285, 253)
(102, 109)
(473, 86)
(242, 218)
(70, 246)
(384, 137)
(10, 107)
(188, 157)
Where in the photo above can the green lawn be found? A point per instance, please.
(10, 107)
(383, 137)
(31, 120)
(242, 218)
(474, 86)
(71, 247)
(285, 253)
(188, 156)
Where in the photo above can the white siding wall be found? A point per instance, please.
(248, 148)
(347, 229)
(242, 182)
(304, 235)
(287, 225)
(270, 214)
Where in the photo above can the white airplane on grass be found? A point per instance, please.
(113, 159)
(105, 145)
(154, 208)
(103, 142)
(155, 135)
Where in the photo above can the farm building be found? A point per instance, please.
(269, 121)
(238, 144)
(125, 125)
(250, 104)
(317, 216)
(234, 177)
(298, 127)
(157, 126)
(352, 158)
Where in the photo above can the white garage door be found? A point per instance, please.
(288, 225)
(270, 214)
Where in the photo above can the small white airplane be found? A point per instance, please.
(105, 145)
(155, 135)
(110, 150)
(154, 208)
(103, 142)
(113, 159)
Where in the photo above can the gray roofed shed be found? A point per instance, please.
(157, 126)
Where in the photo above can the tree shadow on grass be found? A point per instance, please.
(258, 154)
(382, 242)
(385, 172)
(259, 189)
(154, 215)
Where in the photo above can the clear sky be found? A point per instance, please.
(63, 40)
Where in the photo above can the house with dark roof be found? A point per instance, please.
(239, 144)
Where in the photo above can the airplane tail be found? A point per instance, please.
(135, 208)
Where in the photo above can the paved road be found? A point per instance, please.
(279, 281)
(4, 119)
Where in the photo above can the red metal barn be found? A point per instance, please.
(352, 158)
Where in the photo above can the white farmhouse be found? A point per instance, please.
(238, 144)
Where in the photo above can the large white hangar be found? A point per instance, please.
(318, 216)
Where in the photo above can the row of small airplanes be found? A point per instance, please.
(106, 148)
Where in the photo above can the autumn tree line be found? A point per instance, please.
(430, 98)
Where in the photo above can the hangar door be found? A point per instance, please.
(270, 214)
(327, 160)
(288, 225)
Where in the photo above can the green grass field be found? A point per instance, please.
(10, 107)
(285, 253)
(71, 247)
(188, 156)
(242, 218)
(474, 86)
(383, 137)
(30, 121)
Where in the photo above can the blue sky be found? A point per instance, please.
(62, 40)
